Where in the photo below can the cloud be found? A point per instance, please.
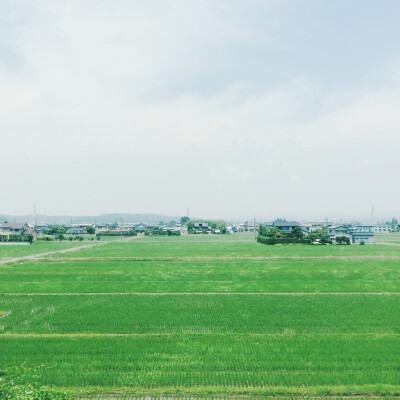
(102, 109)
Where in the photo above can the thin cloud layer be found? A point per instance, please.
(231, 109)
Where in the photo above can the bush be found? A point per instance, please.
(18, 383)
(362, 243)
(342, 240)
(275, 240)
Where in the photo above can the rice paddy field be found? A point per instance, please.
(209, 317)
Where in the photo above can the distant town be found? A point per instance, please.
(279, 231)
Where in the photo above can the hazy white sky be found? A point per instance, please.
(231, 108)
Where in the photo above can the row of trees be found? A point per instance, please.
(275, 233)
(159, 231)
(275, 236)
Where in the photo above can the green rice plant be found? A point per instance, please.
(185, 248)
(193, 360)
(248, 276)
(212, 314)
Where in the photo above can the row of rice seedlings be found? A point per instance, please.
(184, 248)
(202, 314)
(201, 360)
(209, 277)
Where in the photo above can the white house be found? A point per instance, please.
(362, 233)
(382, 229)
(337, 230)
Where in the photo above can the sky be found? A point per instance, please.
(233, 109)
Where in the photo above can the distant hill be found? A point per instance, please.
(104, 218)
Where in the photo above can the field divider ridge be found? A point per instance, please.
(222, 258)
(190, 333)
(210, 294)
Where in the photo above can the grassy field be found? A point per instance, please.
(188, 248)
(323, 325)
(392, 238)
(277, 276)
(200, 314)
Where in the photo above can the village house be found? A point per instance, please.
(337, 230)
(286, 227)
(382, 229)
(18, 229)
(201, 226)
(76, 230)
(362, 233)
(140, 228)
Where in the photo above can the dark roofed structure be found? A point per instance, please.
(17, 228)
(14, 226)
(288, 224)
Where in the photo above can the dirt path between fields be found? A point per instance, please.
(210, 294)
(222, 258)
(63, 251)
(158, 334)
(41, 255)
(5, 314)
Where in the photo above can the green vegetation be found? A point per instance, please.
(393, 238)
(248, 276)
(202, 317)
(135, 314)
(223, 248)
(272, 236)
(213, 225)
(203, 360)
(11, 251)
(159, 231)
(19, 383)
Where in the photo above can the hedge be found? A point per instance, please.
(270, 241)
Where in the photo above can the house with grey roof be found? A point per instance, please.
(18, 229)
(286, 227)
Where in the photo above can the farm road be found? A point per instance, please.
(41, 255)
(70, 250)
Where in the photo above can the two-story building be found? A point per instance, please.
(382, 229)
(334, 231)
(18, 229)
(362, 233)
(286, 227)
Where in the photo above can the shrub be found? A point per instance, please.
(274, 240)
(18, 383)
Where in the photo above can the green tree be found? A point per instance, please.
(184, 220)
(297, 233)
(90, 230)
